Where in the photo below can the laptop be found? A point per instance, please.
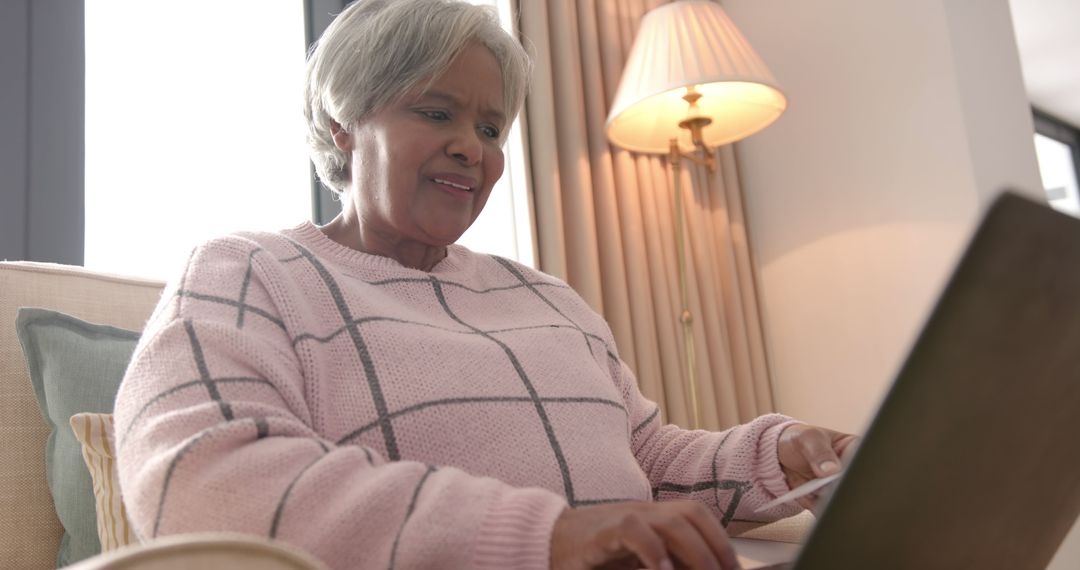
(973, 458)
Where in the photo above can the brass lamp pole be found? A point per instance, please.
(694, 122)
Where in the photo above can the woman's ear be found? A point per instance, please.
(342, 138)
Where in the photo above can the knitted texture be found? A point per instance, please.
(379, 416)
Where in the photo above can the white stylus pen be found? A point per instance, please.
(800, 491)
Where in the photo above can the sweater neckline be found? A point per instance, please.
(311, 236)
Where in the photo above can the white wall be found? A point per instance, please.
(905, 118)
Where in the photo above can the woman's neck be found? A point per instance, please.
(347, 231)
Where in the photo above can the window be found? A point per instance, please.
(194, 130)
(1057, 146)
(505, 226)
(193, 127)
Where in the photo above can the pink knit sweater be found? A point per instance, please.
(379, 416)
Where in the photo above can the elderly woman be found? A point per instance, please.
(381, 397)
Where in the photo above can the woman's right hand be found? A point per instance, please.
(633, 535)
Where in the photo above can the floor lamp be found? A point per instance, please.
(691, 81)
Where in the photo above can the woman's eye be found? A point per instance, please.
(436, 115)
(490, 132)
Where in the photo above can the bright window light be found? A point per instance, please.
(505, 226)
(1058, 174)
(194, 127)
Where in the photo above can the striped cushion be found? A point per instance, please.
(95, 432)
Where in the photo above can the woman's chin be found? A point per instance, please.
(443, 236)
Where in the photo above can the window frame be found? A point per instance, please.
(1052, 127)
(317, 16)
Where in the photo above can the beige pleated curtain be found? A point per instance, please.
(605, 221)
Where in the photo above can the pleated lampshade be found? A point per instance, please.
(691, 43)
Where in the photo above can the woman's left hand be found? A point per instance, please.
(808, 452)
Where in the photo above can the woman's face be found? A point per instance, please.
(422, 167)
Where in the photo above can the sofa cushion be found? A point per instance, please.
(95, 434)
(74, 367)
(29, 528)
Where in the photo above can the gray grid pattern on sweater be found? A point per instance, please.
(384, 420)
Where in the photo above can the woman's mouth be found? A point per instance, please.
(455, 184)
(452, 184)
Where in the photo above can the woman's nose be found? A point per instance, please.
(465, 147)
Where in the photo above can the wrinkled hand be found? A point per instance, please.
(808, 452)
(632, 535)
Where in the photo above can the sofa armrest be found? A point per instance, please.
(205, 551)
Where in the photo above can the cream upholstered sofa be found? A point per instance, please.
(30, 529)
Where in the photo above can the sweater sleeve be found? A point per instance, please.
(215, 432)
(733, 472)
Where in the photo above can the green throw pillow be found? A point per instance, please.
(75, 367)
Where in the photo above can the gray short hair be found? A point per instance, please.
(377, 50)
